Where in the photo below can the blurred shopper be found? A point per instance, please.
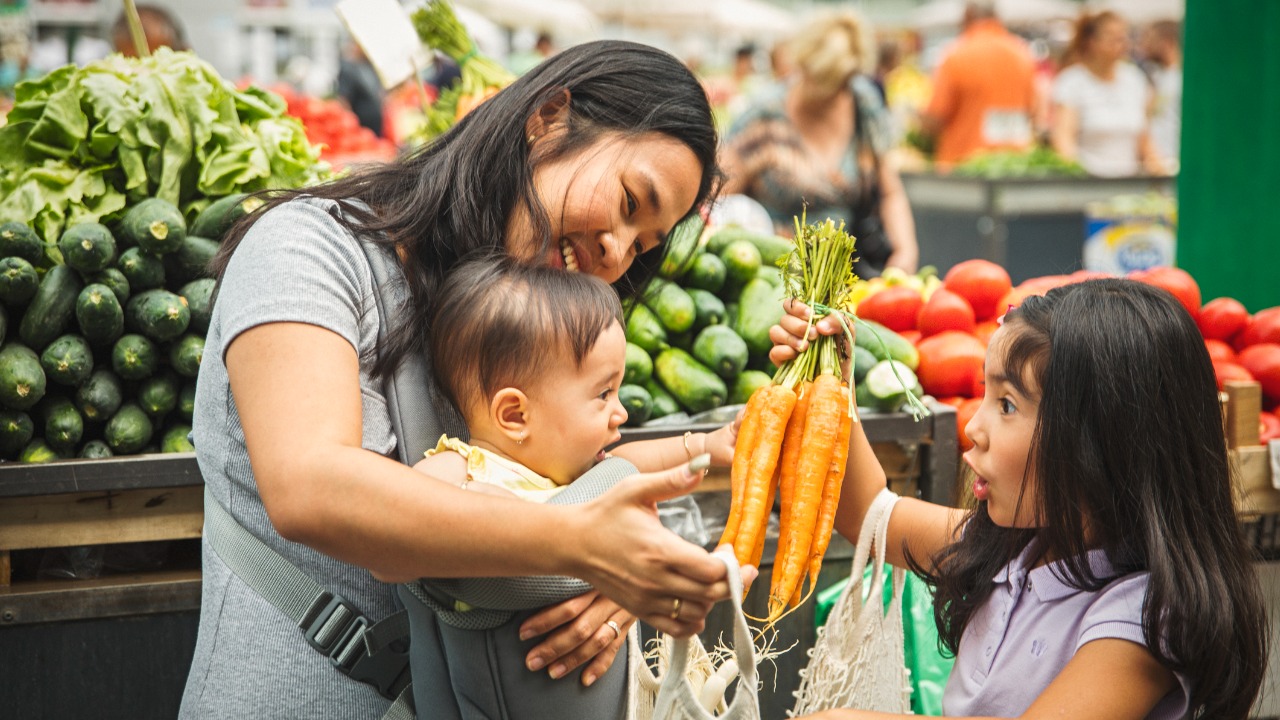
(984, 92)
(1162, 48)
(1101, 102)
(359, 86)
(819, 142)
(158, 25)
(781, 62)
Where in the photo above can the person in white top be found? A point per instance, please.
(1101, 103)
(1162, 46)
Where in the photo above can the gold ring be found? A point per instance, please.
(617, 631)
(675, 609)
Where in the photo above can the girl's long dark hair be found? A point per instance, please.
(1129, 456)
(455, 195)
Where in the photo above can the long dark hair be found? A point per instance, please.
(456, 194)
(495, 303)
(1128, 442)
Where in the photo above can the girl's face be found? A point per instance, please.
(615, 200)
(1001, 432)
(574, 414)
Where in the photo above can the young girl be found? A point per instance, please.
(532, 358)
(1102, 573)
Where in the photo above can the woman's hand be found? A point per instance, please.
(790, 338)
(587, 631)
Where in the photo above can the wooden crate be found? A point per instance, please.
(1253, 482)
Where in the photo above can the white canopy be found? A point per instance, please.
(944, 14)
(569, 16)
(1144, 11)
(756, 17)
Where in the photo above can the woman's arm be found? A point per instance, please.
(296, 387)
(1107, 679)
(895, 214)
(662, 453)
(1064, 131)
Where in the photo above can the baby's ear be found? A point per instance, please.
(508, 411)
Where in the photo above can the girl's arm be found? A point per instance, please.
(1108, 679)
(895, 214)
(296, 387)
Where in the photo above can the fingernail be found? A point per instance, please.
(556, 671)
(698, 464)
(588, 678)
(526, 634)
(536, 663)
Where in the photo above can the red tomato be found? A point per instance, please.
(950, 363)
(1268, 427)
(911, 336)
(1263, 363)
(952, 400)
(964, 414)
(1263, 327)
(1219, 351)
(1178, 282)
(1027, 288)
(945, 311)
(1227, 372)
(1221, 318)
(984, 330)
(981, 282)
(894, 307)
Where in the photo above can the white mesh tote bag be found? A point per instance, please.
(677, 698)
(857, 661)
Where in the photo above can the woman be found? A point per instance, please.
(1101, 102)
(585, 163)
(820, 141)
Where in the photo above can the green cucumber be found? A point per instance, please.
(638, 402)
(114, 279)
(175, 440)
(741, 263)
(639, 366)
(645, 329)
(4, 324)
(199, 295)
(771, 247)
(747, 384)
(186, 353)
(681, 247)
(759, 308)
(52, 307)
(664, 403)
(863, 361)
(143, 270)
(190, 261)
(67, 360)
(155, 225)
(158, 394)
(158, 314)
(18, 240)
(215, 220)
(100, 396)
(98, 313)
(888, 390)
(772, 274)
(672, 306)
(695, 386)
(706, 273)
(187, 401)
(129, 430)
(38, 451)
(884, 343)
(719, 348)
(708, 309)
(18, 280)
(16, 430)
(88, 247)
(22, 381)
(96, 450)
(63, 426)
(134, 357)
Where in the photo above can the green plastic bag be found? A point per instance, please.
(929, 669)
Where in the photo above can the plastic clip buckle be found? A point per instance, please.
(337, 631)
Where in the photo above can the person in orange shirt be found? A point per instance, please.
(984, 94)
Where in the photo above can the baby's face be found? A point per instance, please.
(574, 413)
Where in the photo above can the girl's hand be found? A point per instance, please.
(719, 443)
(789, 337)
(580, 635)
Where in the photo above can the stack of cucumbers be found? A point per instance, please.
(699, 339)
(102, 331)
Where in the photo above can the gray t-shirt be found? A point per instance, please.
(296, 264)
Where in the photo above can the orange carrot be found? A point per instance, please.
(758, 552)
(821, 428)
(742, 461)
(831, 492)
(780, 401)
(791, 446)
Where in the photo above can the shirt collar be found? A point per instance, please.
(1044, 581)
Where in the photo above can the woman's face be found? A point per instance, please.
(1111, 43)
(609, 203)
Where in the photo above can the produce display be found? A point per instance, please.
(117, 182)
(1039, 162)
(334, 128)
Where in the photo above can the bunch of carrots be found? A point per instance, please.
(794, 438)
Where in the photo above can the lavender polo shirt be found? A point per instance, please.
(1031, 626)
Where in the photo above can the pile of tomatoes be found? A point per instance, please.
(331, 124)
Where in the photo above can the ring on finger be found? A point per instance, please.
(675, 608)
(617, 631)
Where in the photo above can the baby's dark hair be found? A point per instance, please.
(500, 322)
(1129, 444)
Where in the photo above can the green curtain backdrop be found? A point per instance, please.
(1229, 185)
